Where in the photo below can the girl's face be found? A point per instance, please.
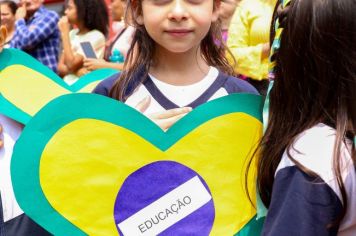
(71, 12)
(7, 18)
(117, 8)
(178, 25)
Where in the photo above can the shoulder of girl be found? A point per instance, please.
(73, 33)
(236, 85)
(96, 34)
(314, 150)
(104, 87)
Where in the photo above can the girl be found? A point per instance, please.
(177, 65)
(307, 166)
(91, 19)
(8, 11)
(119, 46)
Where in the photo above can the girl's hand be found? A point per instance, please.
(94, 64)
(82, 71)
(164, 119)
(63, 24)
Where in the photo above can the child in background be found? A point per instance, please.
(307, 166)
(91, 19)
(177, 66)
(8, 19)
(117, 50)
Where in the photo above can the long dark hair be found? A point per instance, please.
(93, 14)
(142, 51)
(315, 82)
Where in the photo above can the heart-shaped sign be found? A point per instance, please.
(26, 85)
(99, 167)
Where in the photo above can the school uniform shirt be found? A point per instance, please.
(166, 96)
(303, 205)
(13, 222)
(97, 40)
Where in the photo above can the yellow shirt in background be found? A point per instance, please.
(248, 31)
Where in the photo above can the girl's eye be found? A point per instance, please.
(195, 1)
(228, 1)
(160, 2)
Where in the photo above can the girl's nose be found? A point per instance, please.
(178, 11)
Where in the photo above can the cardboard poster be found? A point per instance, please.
(99, 167)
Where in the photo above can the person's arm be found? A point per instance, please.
(94, 64)
(72, 61)
(27, 37)
(251, 60)
(62, 69)
(301, 205)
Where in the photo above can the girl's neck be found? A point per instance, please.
(225, 23)
(179, 68)
(82, 29)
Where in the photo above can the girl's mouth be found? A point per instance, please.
(179, 32)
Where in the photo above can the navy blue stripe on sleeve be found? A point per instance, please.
(104, 87)
(22, 225)
(236, 85)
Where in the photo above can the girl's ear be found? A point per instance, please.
(135, 10)
(216, 10)
(139, 19)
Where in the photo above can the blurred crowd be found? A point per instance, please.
(56, 38)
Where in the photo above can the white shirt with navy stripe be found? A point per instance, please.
(165, 96)
(305, 205)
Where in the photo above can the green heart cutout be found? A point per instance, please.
(25, 166)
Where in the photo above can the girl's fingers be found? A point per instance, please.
(163, 119)
(143, 104)
(171, 113)
(165, 124)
